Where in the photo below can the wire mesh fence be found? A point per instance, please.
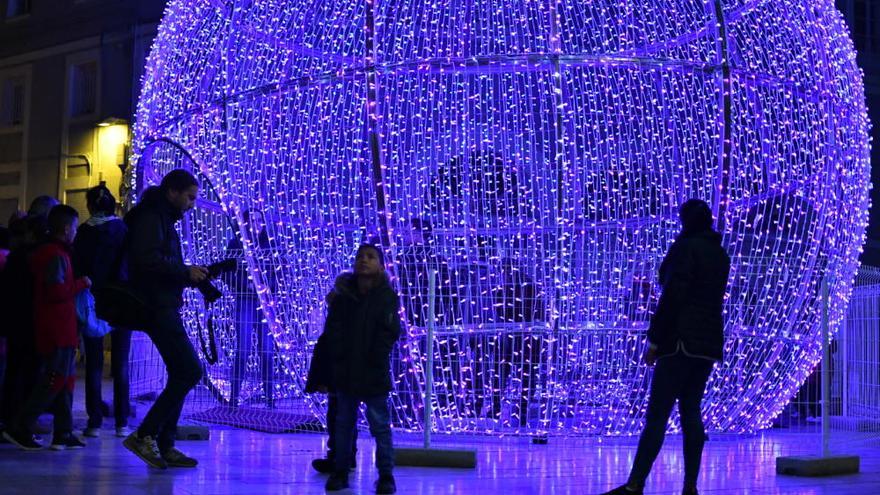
(507, 376)
(853, 406)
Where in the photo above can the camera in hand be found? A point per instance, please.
(209, 292)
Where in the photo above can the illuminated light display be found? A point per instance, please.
(533, 153)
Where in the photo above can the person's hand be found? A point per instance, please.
(650, 356)
(197, 273)
(88, 282)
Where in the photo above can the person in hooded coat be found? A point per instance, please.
(363, 324)
(685, 339)
(98, 254)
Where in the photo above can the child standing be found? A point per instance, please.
(363, 323)
(55, 290)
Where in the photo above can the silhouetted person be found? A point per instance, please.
(362, 327)
(518, 299)
(417, 257)
(4, 252)
(16, 297)
(685, 338)
(38, 214)
(98, 254)
(248, 315)
(55, 331)
(5, 245)
(156, 270)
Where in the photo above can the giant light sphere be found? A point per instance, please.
(533, 154)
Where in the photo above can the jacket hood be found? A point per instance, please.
(346, 283)
(709, 235)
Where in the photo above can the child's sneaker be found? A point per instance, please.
(146, 449)
(123, 431)
(68, 441)
(92, 432)
(24, 440)
(337, 481)
(385, 485)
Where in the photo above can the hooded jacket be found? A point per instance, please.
(154, 257)
(689, 314)
(353, 354)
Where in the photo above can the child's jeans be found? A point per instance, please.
(379, 418)
(54, 392)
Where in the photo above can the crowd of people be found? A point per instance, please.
(49, 259)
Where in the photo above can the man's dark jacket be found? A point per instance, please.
(353, 355)
(694, 279)
(154, 258)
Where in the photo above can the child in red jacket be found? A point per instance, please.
(55, 328)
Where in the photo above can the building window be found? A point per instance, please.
(84, 89)
(15, 8)
(12, 102)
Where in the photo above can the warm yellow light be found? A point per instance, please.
(113, 136)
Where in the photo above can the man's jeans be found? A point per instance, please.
(184, 372)
(682, 378)
(120, 345)
(379, 418)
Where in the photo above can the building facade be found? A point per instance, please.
(69, 79)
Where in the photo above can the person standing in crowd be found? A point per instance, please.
(16, 304)
(156, 271)
(362, 326)
(685, 339)
(38, 215)
(98, 254)
(5, 238)
(4, 252)
(55, 290)
(249, 317)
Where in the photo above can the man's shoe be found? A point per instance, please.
(623, 490)
(689, 491)
(324, 466)
(24, 440)
(337, 481)
(176, 458)
(92, 432)
(146, 449)
(386, 485)
(65, 442)
(123, 431)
